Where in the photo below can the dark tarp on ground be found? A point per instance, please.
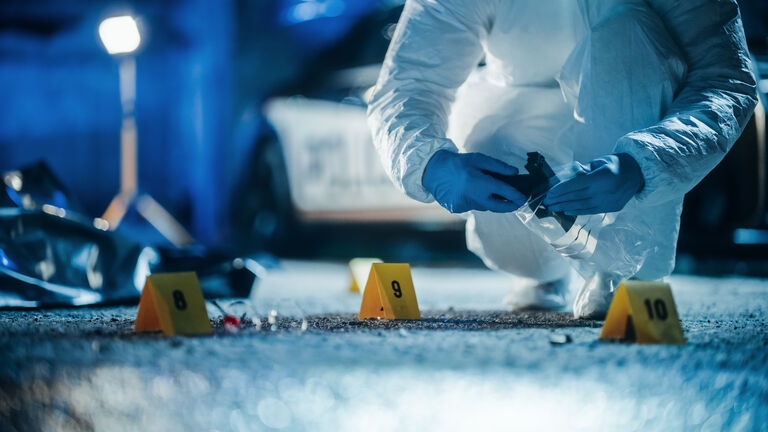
(53, 255)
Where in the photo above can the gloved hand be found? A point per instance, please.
(605, 186)
(460, 182)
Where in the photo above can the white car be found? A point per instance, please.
(320, 166)
(333, 170)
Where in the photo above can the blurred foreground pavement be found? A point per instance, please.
(466, 366)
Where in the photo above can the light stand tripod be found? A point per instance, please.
(121, 37)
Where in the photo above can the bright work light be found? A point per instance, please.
(120, 34)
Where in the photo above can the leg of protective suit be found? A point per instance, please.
(504, 243)
(625, 74)
(620, 78)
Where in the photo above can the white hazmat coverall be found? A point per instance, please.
(666, 81)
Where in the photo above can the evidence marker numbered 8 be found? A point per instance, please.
(173, 303)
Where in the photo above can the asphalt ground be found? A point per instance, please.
(303, 361)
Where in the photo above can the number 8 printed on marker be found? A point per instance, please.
(178, 300)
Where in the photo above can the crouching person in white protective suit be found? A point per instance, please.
(641, 98)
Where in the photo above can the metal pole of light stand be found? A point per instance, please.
(128, 196)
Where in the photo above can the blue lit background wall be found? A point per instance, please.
(62, 101)
(201, 66)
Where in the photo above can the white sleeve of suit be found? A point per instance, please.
(711, 109)
(436, 46)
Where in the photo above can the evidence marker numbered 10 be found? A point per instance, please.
(643, 312)
(389, 293)
(173, 303)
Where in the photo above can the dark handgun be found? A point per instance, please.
(534, 186)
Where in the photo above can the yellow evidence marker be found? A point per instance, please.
(358, 270)
(643, 312)
(173, 303)
(389, 293)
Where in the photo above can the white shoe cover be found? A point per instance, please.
(545, 296)
(594, 297)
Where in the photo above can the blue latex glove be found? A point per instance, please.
(460, 182)
(605, 186)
